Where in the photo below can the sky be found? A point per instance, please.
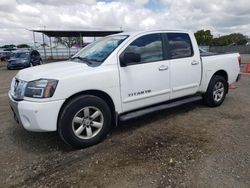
(220, 16)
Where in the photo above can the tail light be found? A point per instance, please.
(239, 60)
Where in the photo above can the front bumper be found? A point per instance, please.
(17, 66)
(36, 116)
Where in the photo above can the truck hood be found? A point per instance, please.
(56, 70)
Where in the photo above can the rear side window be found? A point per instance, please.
(180, 45)
(148, 46)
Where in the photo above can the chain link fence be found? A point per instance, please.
(225, 49)
(57, 53)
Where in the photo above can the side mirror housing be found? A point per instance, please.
(129, 58)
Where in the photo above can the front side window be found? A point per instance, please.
(36, 53)
(149, 47)
(180, 45)
(98, 51)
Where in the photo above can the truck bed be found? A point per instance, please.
(212, 63)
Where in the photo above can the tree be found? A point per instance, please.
(232, 39)
(237, 38)
(68, 42)
(204, 37)
(221, 41)
(8, 46)
(23, 46)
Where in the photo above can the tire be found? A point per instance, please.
(79, 127)
(216, 91)
(40, 62)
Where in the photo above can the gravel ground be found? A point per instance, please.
(188, 146)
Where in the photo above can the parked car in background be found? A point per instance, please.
(24, 59)
(5, 55)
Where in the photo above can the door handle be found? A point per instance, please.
(195, 62)
(163, 68)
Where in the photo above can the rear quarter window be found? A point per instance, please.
(180, 45)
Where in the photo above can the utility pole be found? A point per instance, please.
(44, 50)
(34, 39)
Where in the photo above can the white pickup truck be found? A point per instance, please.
(117, 78)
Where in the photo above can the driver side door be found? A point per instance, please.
(146, 82)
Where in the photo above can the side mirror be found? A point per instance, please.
(129, 58)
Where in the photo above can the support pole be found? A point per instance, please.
(69, 38)
(34, 39)
(44, 50)
(81, 42)
(50, 48)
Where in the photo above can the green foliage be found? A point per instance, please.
(232, 39)
(23, 46)
(10, 46)
(238, 38)
(204, 37)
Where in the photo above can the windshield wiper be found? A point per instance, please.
(82, 59)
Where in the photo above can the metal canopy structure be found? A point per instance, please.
(70, 33)
(76, 33)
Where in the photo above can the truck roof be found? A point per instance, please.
(149, 31)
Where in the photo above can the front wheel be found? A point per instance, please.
(40, 62)
(216, 91)
(84, 121)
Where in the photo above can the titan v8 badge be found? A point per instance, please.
(139, 93)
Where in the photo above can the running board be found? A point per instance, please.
(142, 112)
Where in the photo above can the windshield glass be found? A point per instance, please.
(100, 50)
(21, 54)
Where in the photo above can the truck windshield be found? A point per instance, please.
(98, 51)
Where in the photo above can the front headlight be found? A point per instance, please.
(24, 60)
(42, 88)
(18, 88)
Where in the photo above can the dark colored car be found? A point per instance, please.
(5, 55)
(24, 59)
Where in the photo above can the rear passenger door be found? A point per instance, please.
(185, 65)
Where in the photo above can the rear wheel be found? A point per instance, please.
(84, 121)
(216, 91)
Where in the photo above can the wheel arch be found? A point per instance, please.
(101, 94)
(222, 73)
